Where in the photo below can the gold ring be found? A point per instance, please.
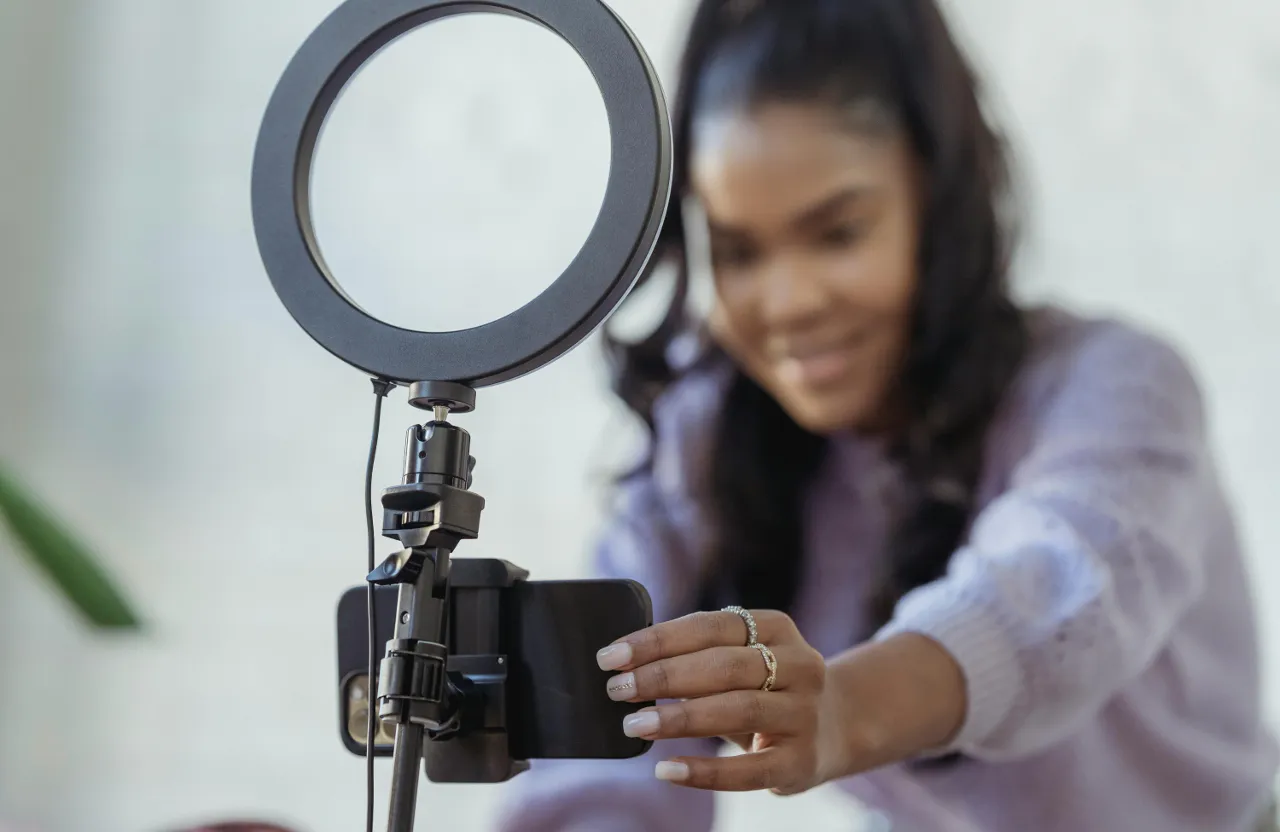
(770, 662)
(750, 621)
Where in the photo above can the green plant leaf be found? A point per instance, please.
(65, 560)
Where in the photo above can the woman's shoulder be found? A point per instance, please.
(1086, 369)
(1062, 338)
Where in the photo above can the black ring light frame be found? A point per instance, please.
(604, 270)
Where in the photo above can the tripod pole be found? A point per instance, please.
(404, 777)
(414, 687)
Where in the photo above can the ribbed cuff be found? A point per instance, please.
(988, 660)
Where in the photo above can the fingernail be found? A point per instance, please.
(642, 724)
(622, 687)
(667, 770)
(614, 656)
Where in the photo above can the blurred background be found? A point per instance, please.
(161, 401)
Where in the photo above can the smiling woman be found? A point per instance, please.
(989, 578)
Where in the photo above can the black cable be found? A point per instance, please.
(380, 390)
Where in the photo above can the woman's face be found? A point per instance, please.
(814, 245)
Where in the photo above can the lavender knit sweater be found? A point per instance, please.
(1099, 608)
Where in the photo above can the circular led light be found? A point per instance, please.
(604, 270)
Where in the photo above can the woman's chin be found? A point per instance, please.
(825, 414)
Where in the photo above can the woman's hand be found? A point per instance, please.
(876, 704)
(703, 660)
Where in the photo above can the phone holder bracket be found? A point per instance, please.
(478, 749)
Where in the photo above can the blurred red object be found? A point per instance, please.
(241, 826)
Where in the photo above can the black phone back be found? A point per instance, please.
(550, 631)
(559, 707)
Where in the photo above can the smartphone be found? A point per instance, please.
(546, 634)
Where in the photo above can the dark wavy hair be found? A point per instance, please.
(968, 337)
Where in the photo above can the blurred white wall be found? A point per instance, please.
(158, 394)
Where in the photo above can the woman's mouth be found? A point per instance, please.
(818, 366)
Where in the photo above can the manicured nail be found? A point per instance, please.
(614, 656)
(667, 770)
(622, 687)
(642, 724)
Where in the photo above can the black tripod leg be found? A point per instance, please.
(404, 777)
(414, 685)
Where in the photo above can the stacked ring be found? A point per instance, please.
(770, 662)
(750, 622)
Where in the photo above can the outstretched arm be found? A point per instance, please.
(1068, 587)
(1073, 580)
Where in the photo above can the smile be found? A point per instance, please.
(820, 365)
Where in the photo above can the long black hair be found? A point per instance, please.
(968, 337)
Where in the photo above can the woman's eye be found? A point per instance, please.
(731, 255)
(840, 236)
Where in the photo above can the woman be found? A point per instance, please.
(985, 546)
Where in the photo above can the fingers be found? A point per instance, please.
(740, 713)
(776, 768)
(703, 662)
(696, 674)
(698, 631)
(716, 670)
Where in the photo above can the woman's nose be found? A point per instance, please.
(791, 295)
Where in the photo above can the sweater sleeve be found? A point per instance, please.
(648, 539)
(1071, 581)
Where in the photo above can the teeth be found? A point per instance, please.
(812, 354)
(791, 370)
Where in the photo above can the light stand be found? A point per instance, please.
(426, 692)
